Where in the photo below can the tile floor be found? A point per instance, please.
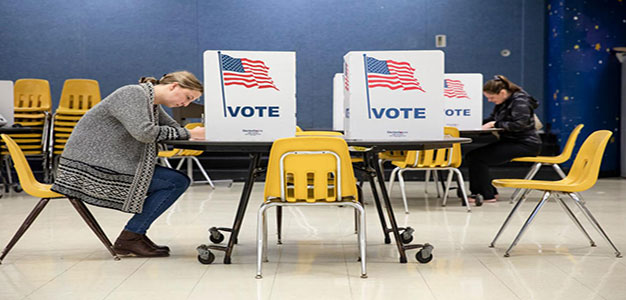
(59, 257)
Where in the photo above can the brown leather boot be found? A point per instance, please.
(133, 243)
(155, 246)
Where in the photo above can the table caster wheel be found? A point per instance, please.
(17, 188)
(479, 200)
(425, 255)
(215, 236)
(407, 235)
(205, 256)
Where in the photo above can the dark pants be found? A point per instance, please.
(479, 160)
(165, 188)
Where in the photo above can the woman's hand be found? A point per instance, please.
(489, 125)
(196, 133)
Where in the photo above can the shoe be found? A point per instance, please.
(134, 243)
(155, 246)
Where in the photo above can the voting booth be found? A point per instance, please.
(249, 95)
(338, 102)
(6, 102)
(463, 99)
(393, 95)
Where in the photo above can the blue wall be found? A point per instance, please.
(583, 76)
(116, 42)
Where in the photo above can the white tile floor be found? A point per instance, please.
(59, 257)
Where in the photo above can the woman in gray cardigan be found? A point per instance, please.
(110, 158)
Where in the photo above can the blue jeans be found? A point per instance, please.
(165, 188)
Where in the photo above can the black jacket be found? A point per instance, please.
(516, 116)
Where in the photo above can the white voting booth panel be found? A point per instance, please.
(249, 95)
(463, 100)
(6, 102)
(394, 95)
(338, 102)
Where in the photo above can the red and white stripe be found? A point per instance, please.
(257, 74)
(455, 89)
(401, 77)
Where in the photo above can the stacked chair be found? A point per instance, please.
(432, 160)
(32, 106)
(189, 156)
(581, 177)
(77, 97)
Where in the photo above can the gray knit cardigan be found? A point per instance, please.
(110, 156)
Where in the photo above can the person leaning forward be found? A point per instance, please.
(109, 159)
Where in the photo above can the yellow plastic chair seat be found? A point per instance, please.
(563, 185)
(29, 123)
(169, 153)
(540, 159)
(28, 116)
(26, 141)
(26, 135)
(64, 129)
(29, 109)
(67, 118)
(68, 111)
(62, 123)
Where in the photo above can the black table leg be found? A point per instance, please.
(390, 214)
(253, 172)
(371, 173)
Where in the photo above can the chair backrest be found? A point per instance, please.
(584, 172)
(569, 145)
(444, 157)
(24, 172)
(318, 133)
(80, 94)
(298, 129)
(32, 93)
(321, 160)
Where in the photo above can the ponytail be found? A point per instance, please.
(498, 83)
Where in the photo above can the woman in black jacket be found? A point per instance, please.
(514, 113)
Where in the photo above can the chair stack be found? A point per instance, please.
(77, 97)
(32, 108)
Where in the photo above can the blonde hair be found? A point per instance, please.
(184, 78)
(499, 83)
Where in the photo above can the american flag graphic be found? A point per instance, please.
(247, 72)
(346, 81)
(454, 89)
(391, 74)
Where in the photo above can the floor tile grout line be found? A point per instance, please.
(573, 277)
(498, 277)
(57, 276)
(124, 280)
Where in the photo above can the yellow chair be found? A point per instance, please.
(31, 96)
(36, 189)
(189, 156)
(582, 176)
(432, 160)
(553, 161)
(78, 96)
(311, 162)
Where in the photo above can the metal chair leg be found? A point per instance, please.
(25, 225)
(279, 224)
(403, 191)
(204, 173)
(594, 222)
(426, 180)
(392, 178)
(530, 175)
(569, 212)
(84, 212)
(447, 191)
(544, 199)
(260, 240)
(459, 177)
(508, 218)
